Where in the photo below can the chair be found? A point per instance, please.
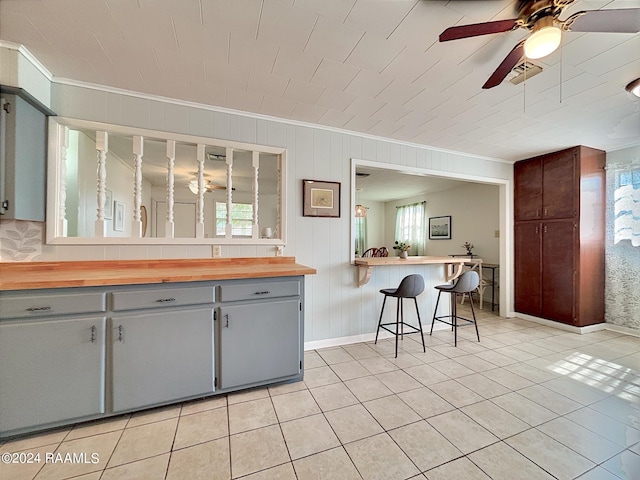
(382, 252)
(370, 252)
(410, 287)
(466, 283)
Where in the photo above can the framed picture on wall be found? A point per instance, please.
(440, 228)
(108, 204)
(118, 219)
(320, 199)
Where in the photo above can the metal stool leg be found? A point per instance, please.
(380, 321)
(435, 313)
(475, 322)
(424, 348)
(397, 323)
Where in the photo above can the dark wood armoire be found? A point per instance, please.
(559, 209)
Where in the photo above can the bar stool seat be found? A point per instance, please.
(466, 283)
(410, 287)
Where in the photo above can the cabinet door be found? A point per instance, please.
(51, 371)
(558, 271)
(528, 189)
(259, 342)
(25, 147)
(162, 356)
(527, 273)
(560, 188)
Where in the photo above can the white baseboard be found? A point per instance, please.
(563, 326)
(365, 337)
(620, 329)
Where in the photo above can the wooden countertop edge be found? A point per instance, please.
(414, 260)
(34, 275)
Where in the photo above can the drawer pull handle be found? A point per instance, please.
(120, 333)
(166, 300)
(38, 309)
(263, 292)
(226, 316)
(93, 334)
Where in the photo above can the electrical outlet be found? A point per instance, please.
(496, 233)
(279, 250)
(216, 251)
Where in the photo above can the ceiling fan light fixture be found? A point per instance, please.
(542, 42)
(634, 87)
(361, 211)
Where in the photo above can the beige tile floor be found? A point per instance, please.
(528, 402)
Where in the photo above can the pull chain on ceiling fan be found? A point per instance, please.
(541, 17)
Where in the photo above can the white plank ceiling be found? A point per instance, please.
(369, 66)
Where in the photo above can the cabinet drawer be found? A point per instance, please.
(259, 290)
(51, 304)
(162, 297)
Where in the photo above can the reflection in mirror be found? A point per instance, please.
(108, 181)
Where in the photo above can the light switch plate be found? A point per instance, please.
(496, 233)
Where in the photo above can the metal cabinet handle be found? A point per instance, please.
(263, 292)
(546, 212)
(165, 300)
(120, 333)
(93, 334)
(545, 229)
(226, 316)
(38, 309)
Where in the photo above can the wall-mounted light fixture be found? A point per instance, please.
(361, 211)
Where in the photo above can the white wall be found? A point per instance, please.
(475, 216)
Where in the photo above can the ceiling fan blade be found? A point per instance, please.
(476, 29)
(510, 61)
(622, 20)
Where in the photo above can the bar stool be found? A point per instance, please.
(467, 283)
(410, 287)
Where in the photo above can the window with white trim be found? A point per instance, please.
(241, 219)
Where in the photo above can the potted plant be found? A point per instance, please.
(469, 247)
(402, 247)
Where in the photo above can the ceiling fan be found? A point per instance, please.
(541, 17)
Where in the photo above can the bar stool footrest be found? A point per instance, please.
(467, 320)
(415, 329)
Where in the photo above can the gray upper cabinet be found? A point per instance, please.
(23, 146)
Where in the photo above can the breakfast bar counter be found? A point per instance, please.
(453, 266)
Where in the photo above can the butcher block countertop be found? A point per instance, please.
(33, 275)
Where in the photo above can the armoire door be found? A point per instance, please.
(527, 273)
(528, 190)
(559, 180)
(558, 271)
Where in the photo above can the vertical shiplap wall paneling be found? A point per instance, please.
(335, 306)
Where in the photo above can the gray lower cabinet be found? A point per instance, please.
(73, 354)
(161, 356)
(259, 342)
(51, 371)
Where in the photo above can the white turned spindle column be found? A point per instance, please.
(138, 152)
(62, 182)
(255, 161)
(200, 207)
(169, 228)
(102, 147)
(229, 161)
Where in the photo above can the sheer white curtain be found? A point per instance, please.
(411, 226)
(627, 205)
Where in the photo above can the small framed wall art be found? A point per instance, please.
(118, 219)
(440, 228)
(320, 199)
